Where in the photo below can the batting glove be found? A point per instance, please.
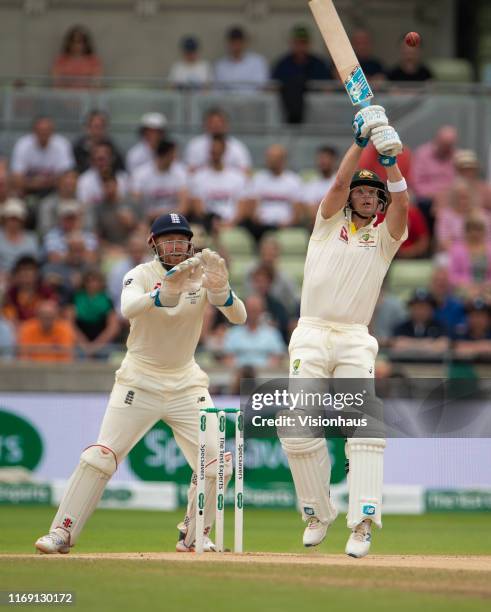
(365, 121)
(386, 140)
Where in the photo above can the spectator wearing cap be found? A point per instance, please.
(410, 67)
(473, 340)
(467, 167)
(25, 291)
(421, 334)
(449, 310)
(469, 261)
(362, 43)
(190, 71)
(240, 69)
(215, 190)
(48, 337)
(294, 70)
(77, 65)
(197, 153)
(160, 186)
(90, 187)
(70, 219)
(96, 132)
(39, 158)
(15, 240)
(450, 222)
(152, 131)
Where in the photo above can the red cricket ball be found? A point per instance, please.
(412, 39)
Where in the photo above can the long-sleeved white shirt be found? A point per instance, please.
(162, 340)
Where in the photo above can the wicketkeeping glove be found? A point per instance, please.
(215, 277)
(185, 277)
(365, 121)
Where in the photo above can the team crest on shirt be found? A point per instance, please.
(296, 367)
(343, 234)
(367, 239)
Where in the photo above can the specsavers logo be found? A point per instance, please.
(20, 443)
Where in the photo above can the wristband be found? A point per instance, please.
(361, 142)
(398, 186)
(387, 160)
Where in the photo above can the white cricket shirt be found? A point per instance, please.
(162, 341)
(29, 158)
(344, 270)
(197, 153)
(159, 191)
(275, 195)
(219, 190)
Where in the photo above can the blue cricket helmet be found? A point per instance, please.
(171, 223)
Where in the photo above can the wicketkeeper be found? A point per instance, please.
(158, 378)
(348, 256)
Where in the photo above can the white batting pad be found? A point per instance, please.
(365, 479)
(311, 472)
(84, 490)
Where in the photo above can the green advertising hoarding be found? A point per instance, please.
(268, 480)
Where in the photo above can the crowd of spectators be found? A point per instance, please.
(243, 70)
(74, 218)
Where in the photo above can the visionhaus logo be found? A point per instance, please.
(20, 442)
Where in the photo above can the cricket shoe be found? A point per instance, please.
(53, 543)
(315, 532)
(358, 543)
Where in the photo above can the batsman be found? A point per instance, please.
(159, 378)
(348, 256)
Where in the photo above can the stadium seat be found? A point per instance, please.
(236, 241)
(239, 266)
(258, 110)
(126, 106)
(455, 70)
(293, 266)
(68, 108)
(292, 240)
(406, 276)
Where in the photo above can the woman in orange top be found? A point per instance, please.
(77, 66)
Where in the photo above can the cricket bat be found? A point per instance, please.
(343, 56)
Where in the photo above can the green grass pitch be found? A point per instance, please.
(215, 586)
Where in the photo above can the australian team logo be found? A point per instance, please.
(296, 367)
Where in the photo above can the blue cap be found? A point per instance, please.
(189, 43)
(172, 223)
